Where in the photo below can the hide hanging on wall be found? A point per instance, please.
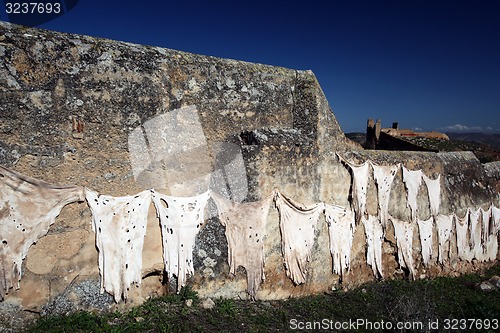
(412, 181)
(384, 176)
(341, 226)
(374, 238)
(119, 224)
(434, 192)
(462, 228)
(27, 209)
(426, 230)
(444, 225)
(360, 174)
(181, 219)
(403, 231)
(245, 232)
(487, 220)
(298, 227)
(475, 233)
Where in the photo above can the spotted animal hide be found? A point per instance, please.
(181, 219)
(384, 176)
(403, 231)
(119, 224)
(360, 174)
(297, 225)
(245, 231)
(374, 237)
(27, 208)
(412, 181)
(426, 230)
(341, 226)
(434, 192)
(462, 227)
(444, 225)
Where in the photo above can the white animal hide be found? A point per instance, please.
(403, 231)
(426, 230)
(462, 227)
(412, 181)
(434, 191)
(444, 225)
(374, 237)
(487, 219)
(475, 233)
(298, 226)
(181, 219)
(27, 209)
(495, 217)
(489, 240)
(360, 174)
(119, 224)
(491, 247)
(245, 231)
(341, 224)
(384, 176)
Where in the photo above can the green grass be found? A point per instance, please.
(391, 301)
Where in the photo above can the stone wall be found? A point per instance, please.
(81, 110)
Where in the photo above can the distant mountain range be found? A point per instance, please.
(490, 139)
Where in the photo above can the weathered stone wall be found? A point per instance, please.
(69, 105)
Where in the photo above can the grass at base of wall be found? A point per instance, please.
(420, 305)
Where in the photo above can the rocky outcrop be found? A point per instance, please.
(120, 118)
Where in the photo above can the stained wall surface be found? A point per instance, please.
(120, 118)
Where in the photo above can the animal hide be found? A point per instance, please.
(444, 225)
(475, 233)
(374, 237)
(384, 176)
(181, 219)
(461, 227)
(298, 226)
(426, 229)
(412, 180)
(341, 226)
(27, 208)
(495, 218)
(491, 247)
(403, 231)
(119, 224)
(360, 175)
(487, 223)
(434, 191)
(245, 231)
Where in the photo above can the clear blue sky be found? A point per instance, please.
(428, 64)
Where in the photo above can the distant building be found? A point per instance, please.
(397, 132)
(394, 138)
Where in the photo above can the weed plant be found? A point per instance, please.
(395, 301)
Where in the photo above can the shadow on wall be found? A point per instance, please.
(171, 153)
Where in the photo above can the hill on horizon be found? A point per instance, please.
(490, 139)
(486, 146)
